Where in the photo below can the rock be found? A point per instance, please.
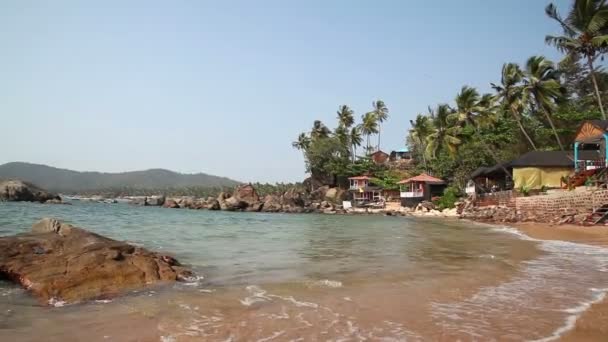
(233, 204)
(255, 207)
(18, 191)
(59, 262)
(214, 205)
(138, 201)
(56, 201)
(319, 193)
(272, 204)
(246, 193)
(170, 203)
(293, 198)
(335, 195)
(155, 201)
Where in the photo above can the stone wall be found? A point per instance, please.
(560, 203)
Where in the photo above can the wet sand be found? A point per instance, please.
(593, 323)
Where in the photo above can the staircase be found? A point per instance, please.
(580, 178)
(599, 215)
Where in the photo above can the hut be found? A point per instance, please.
(494, 178)
(590, 145)
(402, 154)
(537, 169)
(379, 157)
(363, 191)
(420, 188)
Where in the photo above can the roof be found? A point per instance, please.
(422, 178)
(402, 150)
(360, 178)
(546, 159)
(480, 171)
(601, 124)
(379, 151)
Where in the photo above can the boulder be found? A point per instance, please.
(294, 198)
(18, 191)
(255, 207)
(246, 193)
(272, 204)
(59, 262)
(233, 204)
(155, 201)
(336, 195)
(319, 193)
(171, 203)
(214, 205)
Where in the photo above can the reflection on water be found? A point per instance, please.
(289, 277)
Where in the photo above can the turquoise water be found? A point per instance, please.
(317, 277)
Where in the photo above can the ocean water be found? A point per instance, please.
(281, 277)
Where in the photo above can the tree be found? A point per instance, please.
(380, 111)
(345, 116)
(584, 34)
(369, 126)
(419, 131)
(303, 142)
(319, 130)
(443, 132)
(342, 134)
(355, 140)
(510, 93)
(477, 112)
(542, 88)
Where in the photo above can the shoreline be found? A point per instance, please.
(592, 323)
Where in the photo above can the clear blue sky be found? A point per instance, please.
(224, 87)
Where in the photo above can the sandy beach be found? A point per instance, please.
(592, 325)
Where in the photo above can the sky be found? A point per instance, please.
(224, 87)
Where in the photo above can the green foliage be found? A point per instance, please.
(524, 190)
(387, 179)
(450, 196)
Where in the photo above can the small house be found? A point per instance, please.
(493, 178)
(363, 191)
(402, 154)
(379, 157)
(590, 145)
(420, 188)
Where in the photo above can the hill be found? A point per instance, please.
(69, 181)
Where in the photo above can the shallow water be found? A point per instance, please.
(318, 277)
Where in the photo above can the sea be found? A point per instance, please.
(313, 277)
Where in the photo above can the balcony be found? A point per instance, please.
(412, 194)
(583, 165)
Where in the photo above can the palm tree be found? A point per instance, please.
(369, 127)
(510, 95)
(355, 140)
(419, 131)
(319, 130)
(346, 116)
(303, 142)
(343, 136)
(477, 112)
(584, 34)
(443, 132)
(541, 88)
(381, 112)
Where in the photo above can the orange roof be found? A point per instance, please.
(359, 178)
(422, 178)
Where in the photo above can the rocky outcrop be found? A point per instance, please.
(246, 193)
(59, 262)
(272, 204)
(18, 191)
(170, 203)
(335, 195)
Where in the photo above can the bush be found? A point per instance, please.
(449, 198)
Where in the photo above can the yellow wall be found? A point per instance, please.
(537, 177)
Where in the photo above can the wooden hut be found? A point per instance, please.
(590, 137)
(420, 188)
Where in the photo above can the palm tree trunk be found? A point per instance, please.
(523, 130)
(379, 131)
(559, 142)
(597, 90)
(492, 153)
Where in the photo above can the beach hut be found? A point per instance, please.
(402, 154)
(538, 169)
(420, 188)
(494, 178)
(379, 157)
(590, 145)
(363, 191)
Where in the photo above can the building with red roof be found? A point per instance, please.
(363, 191)
(420, 188)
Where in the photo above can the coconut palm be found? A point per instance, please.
(419, 131)
(319, 130)
(303, 142)
(355, 140)
(369, 126)
(541, 88)
(510, 94)
(341, 133)
(346, 116)
(380, 111)
(477, 111)
(585, 34)
(443, 132)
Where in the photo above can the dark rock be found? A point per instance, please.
(246, 193)
(214, 205)
(18, 191)
(233, 204)
(170, 203)
(57, 261)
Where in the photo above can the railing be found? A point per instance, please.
(412, 194)
(582, 165)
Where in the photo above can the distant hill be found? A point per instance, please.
(68, 181)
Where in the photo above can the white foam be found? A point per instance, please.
(56, 302)
(167, 339)
(257, 295)
(326, 283)
(273, 336)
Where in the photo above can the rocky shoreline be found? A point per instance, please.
(57, 262)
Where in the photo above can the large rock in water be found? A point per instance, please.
(60, 262)
(16, 190)
(246, 193)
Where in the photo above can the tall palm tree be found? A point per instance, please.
(477, 112)
(585, 34)
(443, 132)
(419, 131)
(542, 88)
(303, 142)
(319, 130)
(343, 136)
(510, 94)
(355, 140)
(369, 126)
(381, 112)
(346, 116)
